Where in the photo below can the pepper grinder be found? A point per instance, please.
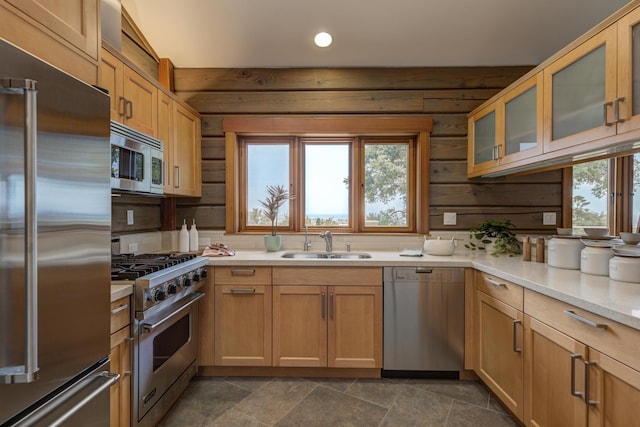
(540, 249)
(526, 248)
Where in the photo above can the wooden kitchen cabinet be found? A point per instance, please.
(206, 315)
(242, 328)
(120, 362)
(498, 325)
(134, 98)
(183, 152)
(507, 130)
(327, 317)
(65, 34)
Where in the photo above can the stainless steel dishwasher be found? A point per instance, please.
(423, 321)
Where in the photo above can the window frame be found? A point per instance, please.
(416, 127)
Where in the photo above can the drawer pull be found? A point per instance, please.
(120, 308)
(323, 304)
(516, 349)
(494, 283)
(243, 290)
(247, 272)
(591, 323)
(573, 375)
(331, 305)
(587, 398)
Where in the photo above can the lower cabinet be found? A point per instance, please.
(120, 363)
(320, 325)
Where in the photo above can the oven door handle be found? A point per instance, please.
(185, 304)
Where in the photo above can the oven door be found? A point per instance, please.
(166, 346)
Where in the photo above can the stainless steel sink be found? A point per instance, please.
(326, 255)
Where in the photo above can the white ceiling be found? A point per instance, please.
(366, 33)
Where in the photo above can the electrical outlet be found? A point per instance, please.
(129, 217)
(204, 241)
(133, 248)
(548, 218)
(449, 218)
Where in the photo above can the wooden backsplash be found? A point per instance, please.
(444, 94)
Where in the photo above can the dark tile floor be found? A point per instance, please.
(264, 402)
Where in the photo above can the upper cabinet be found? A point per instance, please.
(583, 101)
(508, 129)
(183, 153)
(64, 33)
(134, 98)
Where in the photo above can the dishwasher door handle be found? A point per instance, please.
(424, 270)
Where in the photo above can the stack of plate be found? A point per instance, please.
(625, 264)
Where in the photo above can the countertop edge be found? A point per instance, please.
(120, 291)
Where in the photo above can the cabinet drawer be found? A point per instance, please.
(500, 289)
(616, 340)
(330, 276)
(120, 314)
(242, 275)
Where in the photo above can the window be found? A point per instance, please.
(606, 193)
(347, 184)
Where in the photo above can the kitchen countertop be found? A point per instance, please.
(619, 301)
(120, 291)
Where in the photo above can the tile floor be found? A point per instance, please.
(262, 402)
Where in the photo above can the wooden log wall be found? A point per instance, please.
(445, 94)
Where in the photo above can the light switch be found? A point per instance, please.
(548, 218)
(450, 218)
(130, 217)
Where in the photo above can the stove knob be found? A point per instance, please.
(172, 288)
(158, 295)
(203, 272)
(186, 281)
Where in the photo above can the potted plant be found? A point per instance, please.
(276, 197)
(495, 237)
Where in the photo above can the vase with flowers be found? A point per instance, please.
(277, 195)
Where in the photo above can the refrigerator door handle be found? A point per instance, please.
(101, 381)
(29, 371)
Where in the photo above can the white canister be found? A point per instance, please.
(625, 269)
(564, 252)
(595, 260)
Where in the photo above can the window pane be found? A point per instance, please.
(386, 181)
(267, 164)
(327, 182)
(591, 194)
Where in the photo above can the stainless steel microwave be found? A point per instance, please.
(137, 161)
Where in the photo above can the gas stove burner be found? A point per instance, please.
(131, 267)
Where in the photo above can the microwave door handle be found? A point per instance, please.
(29, 371)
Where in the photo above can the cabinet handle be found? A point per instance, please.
(243, 290)
(331, 305)
(494, 283)
(605, 110)
(130, 105)
(587, 398)
(591, 323)
(323, 301)
(497, 155)
(516, 349)
(246, 272)
(424, 270)
(122, 106)
(176, 177)
(120, 308)
(573, 391)
(616, 110)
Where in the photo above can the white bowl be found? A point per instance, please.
(564, 231)
(630, 238)
(596, 231)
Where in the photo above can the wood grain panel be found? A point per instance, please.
(146, 213)
(455, 171)
(526, 219)
(494, 194)
(223, 79)
(349, 276)
(213, 148)
(455, 100)
(448, 148)
(213, 171)
(207, 217)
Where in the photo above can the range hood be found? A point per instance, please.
(111, 21)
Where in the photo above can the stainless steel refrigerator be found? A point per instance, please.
(55, 226)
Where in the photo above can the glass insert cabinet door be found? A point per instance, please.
(628, 100)
(580, 93)
(484, 137)
(523, 120)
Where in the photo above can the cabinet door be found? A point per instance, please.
(206, 310)
(500, 355)
(300, 326)
(120, 392)
(141, 110)
(523, 128)
(355, 327)
(628, 100)
(242, 325)
(614, 388)
(186, 152)
(165, 134)
(579, 93)
(554, 383)
(485, 134)
(111, 72)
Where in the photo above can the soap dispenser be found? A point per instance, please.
(193, 237)
(183, 246)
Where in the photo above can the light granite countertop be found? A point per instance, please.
(120, 291)
(619, 301)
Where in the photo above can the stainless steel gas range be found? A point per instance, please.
(165, 333)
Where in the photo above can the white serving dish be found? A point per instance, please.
(564, 252)
(595, 260)
(625, 269)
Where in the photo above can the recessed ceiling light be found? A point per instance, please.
(323, 39)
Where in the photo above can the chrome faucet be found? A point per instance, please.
(328, 238)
